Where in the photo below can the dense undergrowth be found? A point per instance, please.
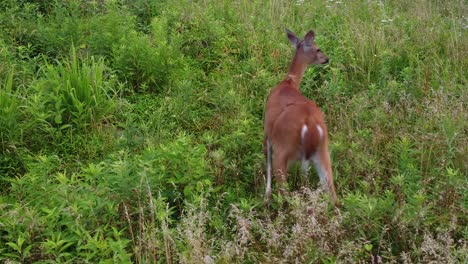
(131, 131)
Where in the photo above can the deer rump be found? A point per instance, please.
(297, 139)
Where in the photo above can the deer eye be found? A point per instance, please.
(318, 50)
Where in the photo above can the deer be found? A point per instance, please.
(294, 126)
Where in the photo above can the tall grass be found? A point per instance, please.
(11, 131)
(77, 93)
(9, 110)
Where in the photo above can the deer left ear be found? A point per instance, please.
(309, 38)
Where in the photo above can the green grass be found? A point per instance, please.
(131, 131)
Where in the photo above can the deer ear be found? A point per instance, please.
(309, 38)
(292, 38)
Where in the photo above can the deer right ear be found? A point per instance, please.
(292, 38)
(309, 38)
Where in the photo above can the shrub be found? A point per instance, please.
(145, 63)
(105, 31)
(176, 169)
(145, 11)
(71, 204)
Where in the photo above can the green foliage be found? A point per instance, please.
(10, 132)
(9, 111)
(105, 31)
(63, 205)
(145, 11)
(143, 63)
(131, 131)
(77, 93)
(176, 170)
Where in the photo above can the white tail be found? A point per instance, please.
(294, 126)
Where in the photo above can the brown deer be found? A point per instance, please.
(294, 126)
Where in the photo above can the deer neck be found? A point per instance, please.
(296, 70)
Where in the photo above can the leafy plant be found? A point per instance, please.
(9, 112)
(11, 130)
(143, 62)
(77, 93)
(168, 169)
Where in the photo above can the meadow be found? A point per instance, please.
(132, 132)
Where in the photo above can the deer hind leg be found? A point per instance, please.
(304, 160)
(322, 164)
(268, 171)
(280, 167)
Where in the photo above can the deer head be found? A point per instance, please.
(306, 50)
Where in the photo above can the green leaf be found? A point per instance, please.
(58, 119)
(14, 246)
(368, 247)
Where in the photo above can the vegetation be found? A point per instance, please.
(131, 131)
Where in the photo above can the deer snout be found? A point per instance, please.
(322, 58)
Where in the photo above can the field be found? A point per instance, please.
(132, 132)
